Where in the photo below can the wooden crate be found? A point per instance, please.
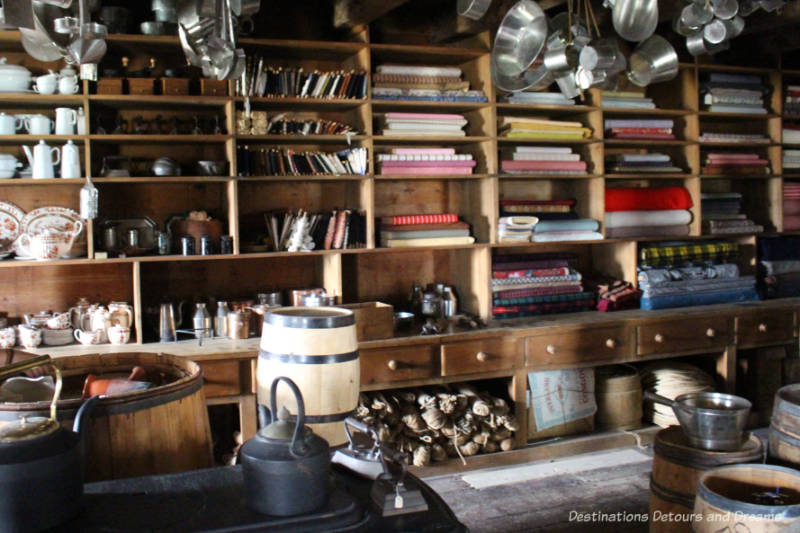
(374, 320)
(174, 86)
(110, 86)
(141, 86)
(213, 87)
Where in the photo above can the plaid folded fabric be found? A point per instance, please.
(677, 254)
(543, 299)
(515, 311)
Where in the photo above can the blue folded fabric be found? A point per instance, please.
(703, 298)
(580, 224)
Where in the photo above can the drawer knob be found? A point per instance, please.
(482, 357)
(550, 349)
(762, 328)
(659, 338)
(710, 332)
(611, 343)
(392, 364)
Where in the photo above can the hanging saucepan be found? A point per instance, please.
(519, 41)
(652, 61)
(697, 45)
(41, 463)
(635, 20)
(710, 420)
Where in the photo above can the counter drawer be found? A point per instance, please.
(579, 346)
(761, 328)
(399, 364)
(488, 355)
(691, 333)
(221, 378)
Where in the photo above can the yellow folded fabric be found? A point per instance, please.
(543, 135)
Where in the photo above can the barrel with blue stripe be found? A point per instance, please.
(317, 348)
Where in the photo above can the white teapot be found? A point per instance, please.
(48, 244)
(100, 320)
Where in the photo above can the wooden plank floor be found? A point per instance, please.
(545, 504)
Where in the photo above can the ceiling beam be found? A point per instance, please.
(350, 13)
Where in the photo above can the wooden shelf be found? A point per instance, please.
(305, 177)
(397, 139)
(157, 100)
(300, 49)
(750, 116)
(28, 139)
(48, 181)
(506, 140)
(544, 176)
(648, 112)
(509, 109)
(651, 142)
(408, 105)
(158, 138)
(734, 68)
(289, 101)
(424, 53)
(164, 179)
(300, 139)
(140, 39)
(707, 144)
(36, 100)
(647, 175)
(430, 176)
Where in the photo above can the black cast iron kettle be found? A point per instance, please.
(41, 463)
(285, 466)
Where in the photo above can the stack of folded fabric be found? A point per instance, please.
(722, 213)
(779, 266)
(425, 161)
(424, 124)
(640, 163)
(640, 128)
(743, 138)
(734, 93)
(539, 128)
(791, 159)
(555, 221)
(791, 133)
(647, 212)
(732, 163)
(580, 229)
(627, 100)
(686, 274)
(791, 101)
(555, 160)
(531, 98)
(616, 295)
(537, 284)
(791, 206)
(541, 209)
(406, 231)
(423, 83)
(516, 228)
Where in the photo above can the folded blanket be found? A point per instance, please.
(699, 285)
(773, 268)
(700, 298)
(662, 276)
(541, 299)
(530, 273)
(514, 311)
(581, 224)
(508, 283)
(539, 291)
(558, 236)
(687, 252)
(671, 217)
(779, 248)
(678, 230)
(647, 199)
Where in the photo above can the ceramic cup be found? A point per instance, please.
(68, 85)
(8, 337)
(9, 124)
(29, 337)
(58, 321)
(43, 247)
(119, 334)
(46, 84)
(87, 337)
(39, 125)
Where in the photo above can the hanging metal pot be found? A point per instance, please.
(635, 20)
(286, 466)
(41, 463)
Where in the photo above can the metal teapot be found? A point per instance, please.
(286, 466)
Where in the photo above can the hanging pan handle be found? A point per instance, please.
(301, 413)
(657, 398)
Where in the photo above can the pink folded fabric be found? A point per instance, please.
(791, 222)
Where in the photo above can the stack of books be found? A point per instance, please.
(425, 161)
(516, 228)
(743, 138)
(529, 98)
(640, 163)
(791, 101)
(297, 231)
(286, 161)
(731, 163)
(555, 160)
(427, 83)
(281, 124)
(722, 214)
(407, 231)
(261, 80)
(791, 133)
(734, 93)
(645, 129)
(535, 128)
(791, 206)
(424, 124)
(626, 100)
(791, 159)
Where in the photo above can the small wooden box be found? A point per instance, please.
(110, 86)
(174, 86)
(141, 86)
(374, 320)
(213, 87)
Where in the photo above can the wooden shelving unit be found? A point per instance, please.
(375, 273)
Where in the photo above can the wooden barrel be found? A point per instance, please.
(618, 391)
(677, 467)
(784, 430)
(160, 430)
(731, 498)
(316, 347)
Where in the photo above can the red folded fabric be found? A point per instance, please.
(647, 199)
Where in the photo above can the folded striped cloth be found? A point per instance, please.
(681, 253)
(699, 285)
(663, 276)
(542, 299)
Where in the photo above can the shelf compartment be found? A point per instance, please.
(302, 49)
(479, 126)
(181, 118)
(356, 117)
(692, 184)
(292, 102)
(143, 153)
(762, 199)
(683, 156)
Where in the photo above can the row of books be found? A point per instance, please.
(634, 161)
(644, 129)
(537, 98)
(727, 163)
(407, 231)
(423, 83)
(424, 124)
(626, 100)
(743, 138)
(425, 161)
(282, 124)
(262, 161)
(263, 80)
(535, 128)
(791, 100)
(734, 93)
(791, 133)
(302, 231)
(791, 159)
(722, 214)
(555, 160)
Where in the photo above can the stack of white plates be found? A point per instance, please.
(670, 379)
